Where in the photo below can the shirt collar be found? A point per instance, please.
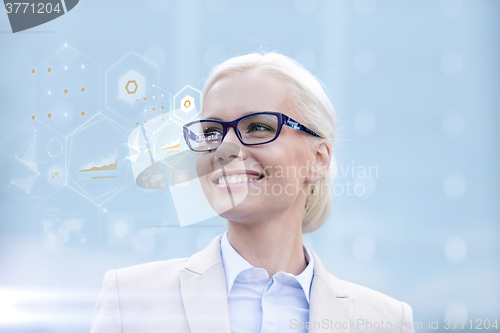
(234, 264)
(305, 278)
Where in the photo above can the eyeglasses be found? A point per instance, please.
(252, 129)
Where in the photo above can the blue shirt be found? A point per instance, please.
(259, 304)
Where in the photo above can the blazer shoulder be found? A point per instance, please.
(142, 298)
(151, 274)
(368, 295)
(376, 305)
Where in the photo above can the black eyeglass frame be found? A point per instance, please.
(282, 120)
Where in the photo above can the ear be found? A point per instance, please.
(321, 157)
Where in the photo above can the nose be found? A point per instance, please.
(228, 150)
(231, 136)
(225, 154)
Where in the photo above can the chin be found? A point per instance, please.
(235, 202)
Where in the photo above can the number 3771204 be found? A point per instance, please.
(25, 7)
(478, 324)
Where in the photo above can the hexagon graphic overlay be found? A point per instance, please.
(33, 162)
(133, 230)
(121, 93)
(187, 105)
(96, 163)
(131, 90)
(131, 86)
(66, 90)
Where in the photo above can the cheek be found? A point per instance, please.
(204, 170)
(204, 163)
(286, 166)
(221, 200)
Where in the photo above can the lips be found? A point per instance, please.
(236, 176)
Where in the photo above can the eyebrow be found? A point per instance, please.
(217, 118)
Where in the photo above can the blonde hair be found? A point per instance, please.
(310, 101)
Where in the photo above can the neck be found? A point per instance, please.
(275, 245)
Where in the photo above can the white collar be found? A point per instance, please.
(234, 264)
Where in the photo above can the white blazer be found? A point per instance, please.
(189, 295)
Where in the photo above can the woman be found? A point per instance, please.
(267, 132)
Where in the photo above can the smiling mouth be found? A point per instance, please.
(238, 179)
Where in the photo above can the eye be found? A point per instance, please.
(212, 131)
(259, 127)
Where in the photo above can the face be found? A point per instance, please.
(273, 175)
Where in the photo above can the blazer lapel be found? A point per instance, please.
(330, 305)
(204, 293)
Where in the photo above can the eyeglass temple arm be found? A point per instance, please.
(298, 126)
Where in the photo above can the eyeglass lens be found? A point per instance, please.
(254, 129)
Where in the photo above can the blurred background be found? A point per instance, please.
(415, 85)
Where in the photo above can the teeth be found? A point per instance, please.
(237, 179)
